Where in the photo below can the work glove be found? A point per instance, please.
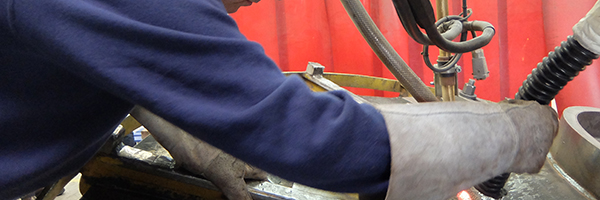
(439, 149)
(223, 170)
(587, 30)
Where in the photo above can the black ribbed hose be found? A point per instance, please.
(542, 85)
(555, 71)
(494, 187)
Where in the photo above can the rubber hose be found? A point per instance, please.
(386, 53)
(424, 17)
(462, 47)
(423, 12)
(410, 25)
(408, 22)
(542, 85)
(449, 65)
(456, 28)
(555, 71)
(494, 187)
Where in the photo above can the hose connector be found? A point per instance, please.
(480, 68)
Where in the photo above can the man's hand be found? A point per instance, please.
(439, 149)
(223, 170)
(536, 126)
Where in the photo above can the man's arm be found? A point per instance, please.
(187, 62)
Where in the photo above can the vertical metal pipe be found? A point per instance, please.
(441, 12)
(446, 82)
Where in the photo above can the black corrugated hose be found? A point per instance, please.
(542, 85)
(555, 71)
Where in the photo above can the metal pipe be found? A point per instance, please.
(447, 79)
(442, 11)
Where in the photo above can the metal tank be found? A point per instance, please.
(572, 167)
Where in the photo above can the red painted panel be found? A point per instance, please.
(559, 17)
(526, 44)
(305, 34)
(259, 24)
(294, 32)
(351, 55)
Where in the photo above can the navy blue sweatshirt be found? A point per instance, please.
(70, 70)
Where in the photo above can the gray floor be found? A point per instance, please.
(71, 190)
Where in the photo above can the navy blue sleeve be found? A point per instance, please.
(186, 61)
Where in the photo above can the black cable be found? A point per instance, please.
(469, 11)
(408, 22)
(462, 47)
(450, 64)
(464, 7)
(420, 12)
(443, 68)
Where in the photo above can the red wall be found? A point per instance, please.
(559, 16)
(294, 32)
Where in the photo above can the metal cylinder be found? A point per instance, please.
(576, 148)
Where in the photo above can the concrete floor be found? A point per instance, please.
(71, 190)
